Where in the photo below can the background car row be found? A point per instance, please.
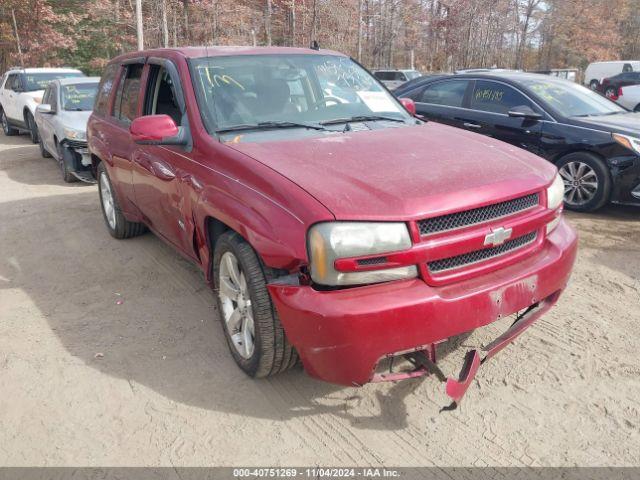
(53, 106)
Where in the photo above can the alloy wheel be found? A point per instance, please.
(108, 204)
(236, 305)
(580, 183)
(5, 124)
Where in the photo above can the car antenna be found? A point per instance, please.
(315, 45)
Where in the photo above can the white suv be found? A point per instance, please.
(21, 89)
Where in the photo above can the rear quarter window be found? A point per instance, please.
(449, 93)
(104, 89)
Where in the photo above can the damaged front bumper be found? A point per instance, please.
(76, 157)
(342, 335)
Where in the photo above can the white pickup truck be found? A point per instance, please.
(21, 90)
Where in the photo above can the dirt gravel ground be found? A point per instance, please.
(87, 381)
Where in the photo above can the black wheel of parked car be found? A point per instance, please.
(594, 85)
(33, 128)
(587, 181)
(43, 151)
(252, 328)
(119, 227)
(637, 109)
(610, 92)
(8, 130)
(67, 176)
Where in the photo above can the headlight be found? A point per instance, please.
(555, 196)
(632, 143)
(333, 240)
(555, 193)
(74, 134)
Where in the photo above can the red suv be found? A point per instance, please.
(332, 224)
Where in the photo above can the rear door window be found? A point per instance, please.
(449, 93)
(497, 97)
(104, 89)
(125, 108)
(9, 83)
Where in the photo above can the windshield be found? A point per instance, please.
(572, 100)
(39, 81)
(411, 74)
(244, 90)
(79, 97)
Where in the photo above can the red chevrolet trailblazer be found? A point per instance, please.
(333, 225)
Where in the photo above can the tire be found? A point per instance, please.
(43, 151)
(120, 228)
(610, 93)
(594, 84)
(587, 181)
(32, 127)
(637, 109)
(8, 130)
(271, 353)
(67, 176)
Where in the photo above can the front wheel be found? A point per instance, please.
(119, 227)
(8, 130)
(587, 181)
(43, 150)
(252, 328)
(33, 128)
(67, 176)
(637, 109)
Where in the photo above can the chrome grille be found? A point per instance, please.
(470, 258)
(477, 215)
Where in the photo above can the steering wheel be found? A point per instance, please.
(325, 100)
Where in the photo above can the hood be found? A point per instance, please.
(628, 123)
(403, 173)
(75, 120)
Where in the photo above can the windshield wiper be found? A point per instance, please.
(270, 125)
(361, 118)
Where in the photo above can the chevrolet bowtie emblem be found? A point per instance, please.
(498, 236)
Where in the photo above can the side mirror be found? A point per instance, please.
(157, 130)
(409, 105)
(524, 111)
(44, 108)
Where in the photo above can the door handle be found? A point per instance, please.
(472, 125)
(162, 170)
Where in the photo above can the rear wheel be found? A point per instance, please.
(593, 85)
(637, 109)
(32, 127)
(8, 130)
(587, 181)
(119, 227)
(611, 93)
(252, 328)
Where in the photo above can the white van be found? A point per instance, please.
(596, 71)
